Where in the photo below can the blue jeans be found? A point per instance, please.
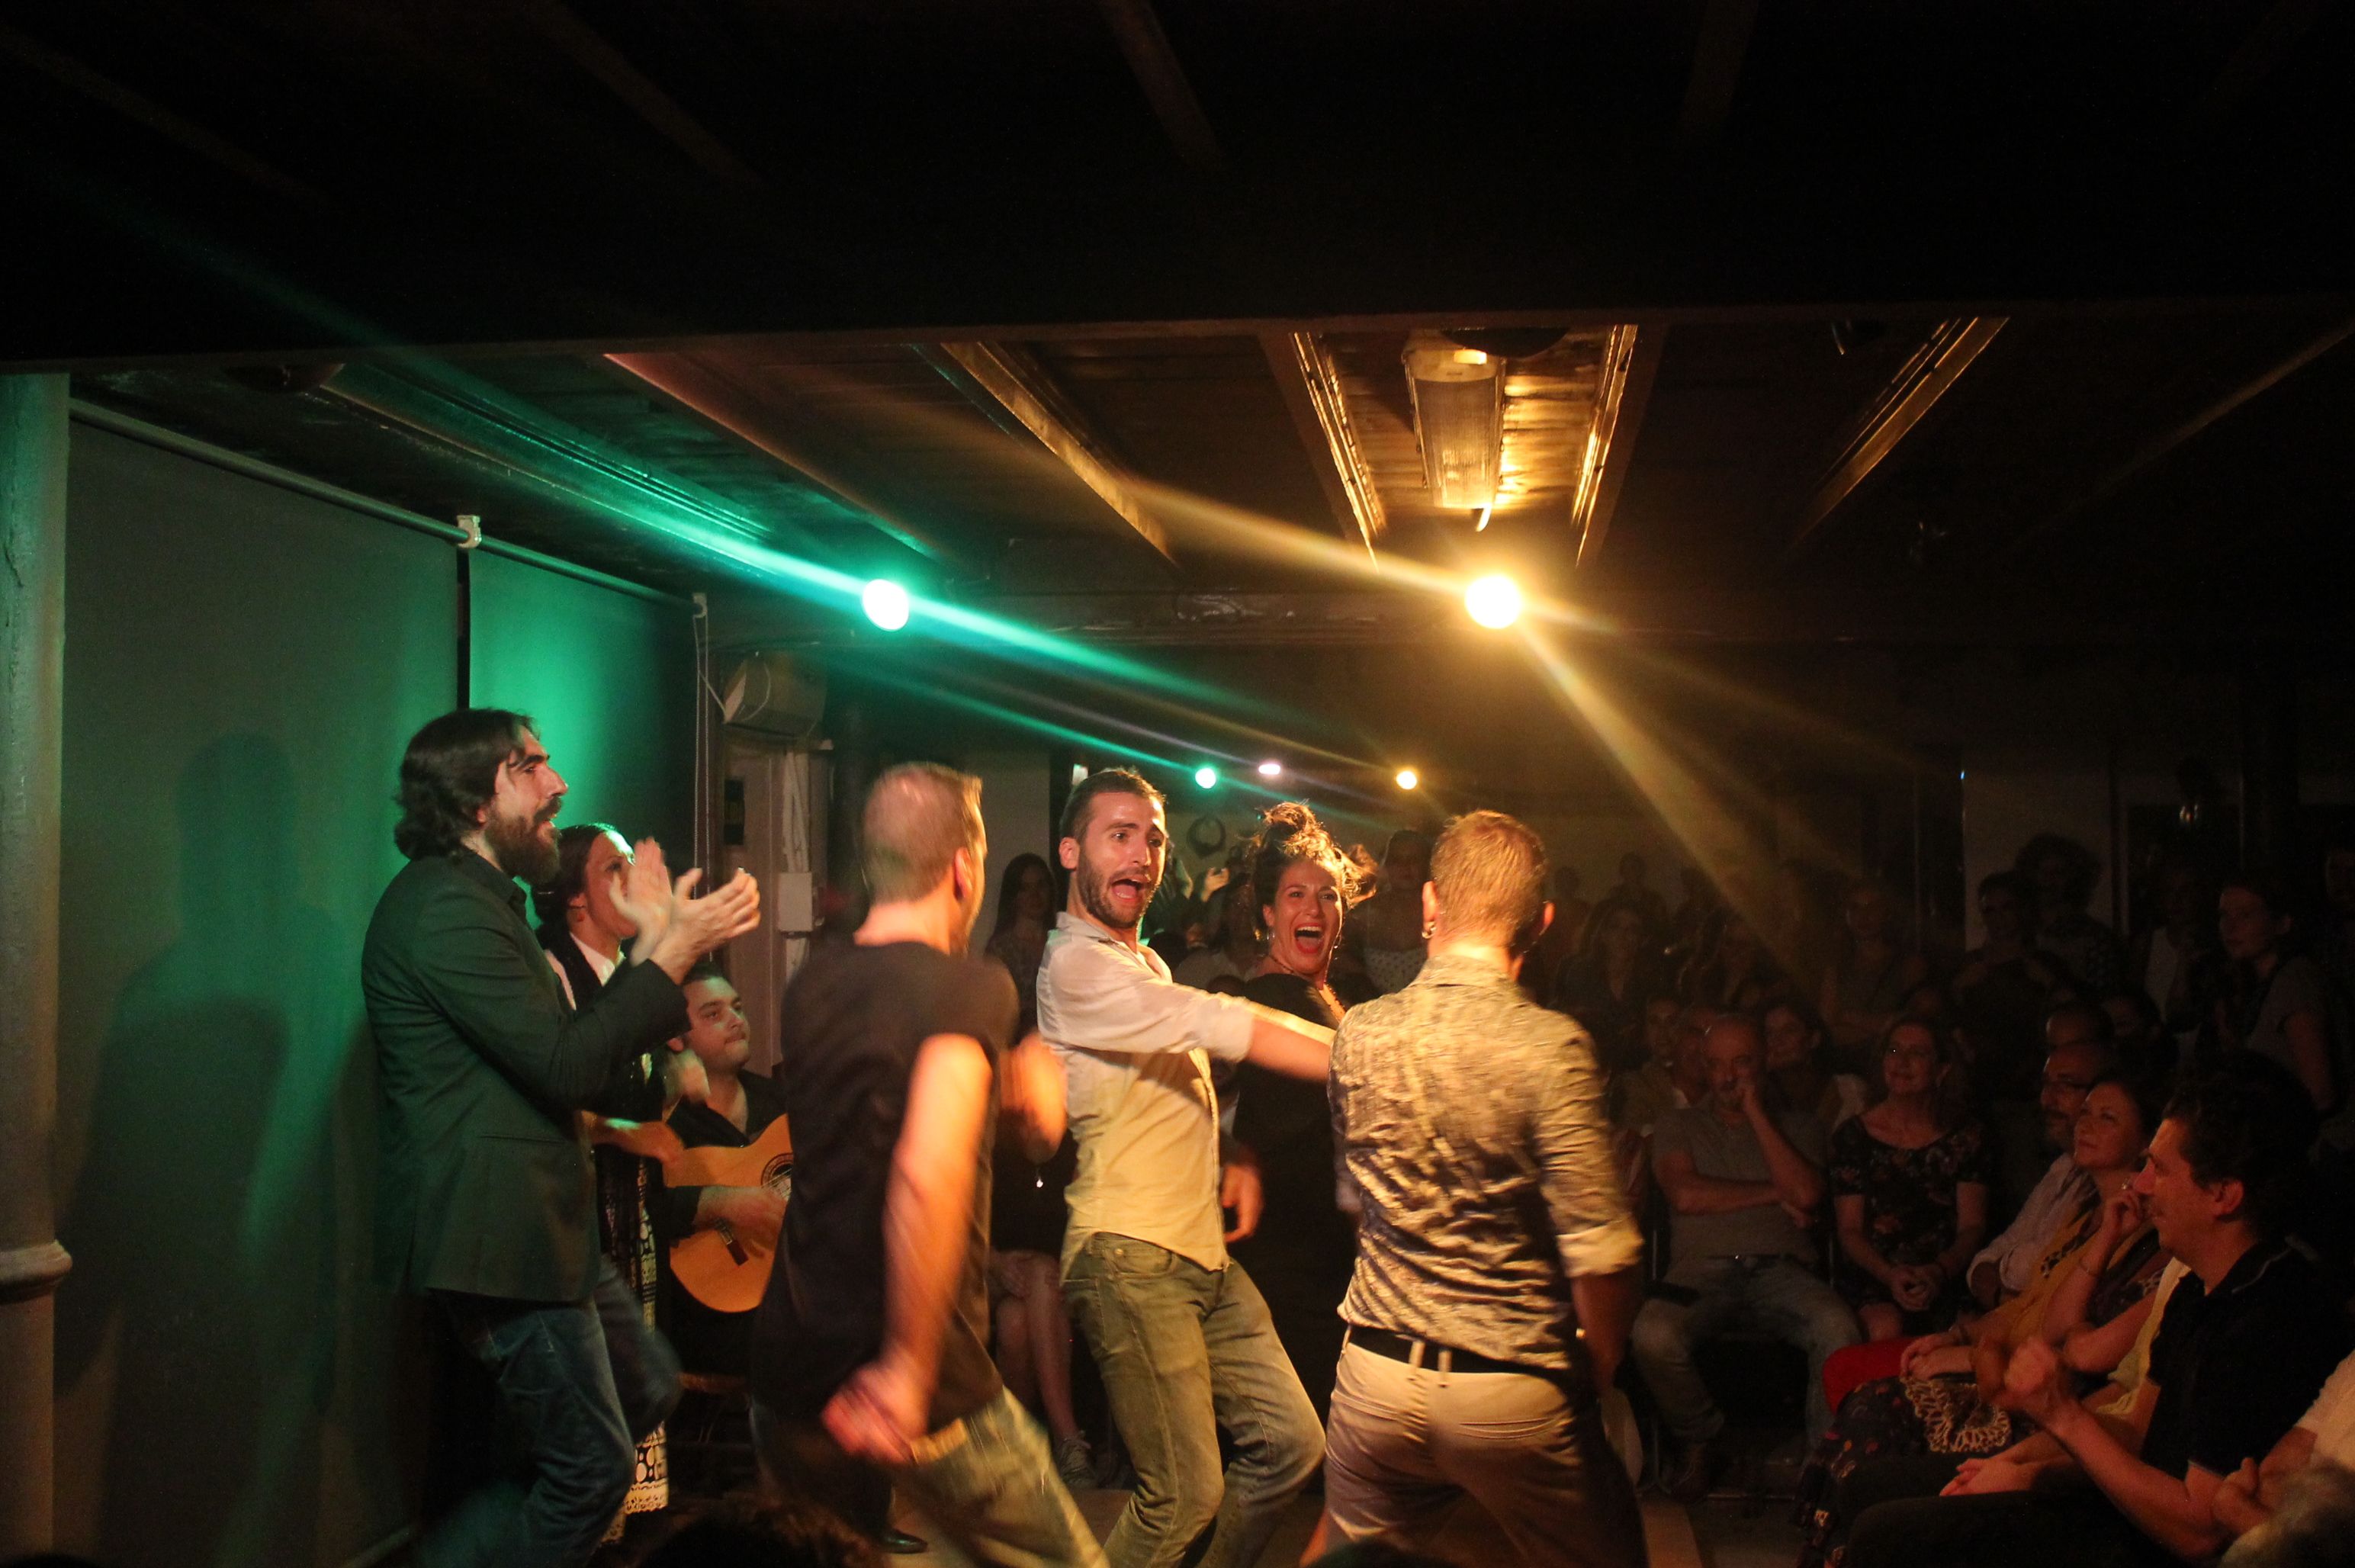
(1774, 1296)
(581, 1382)
(988, 1481)
(1184, 1351)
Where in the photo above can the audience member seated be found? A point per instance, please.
(1604, 988)
(1563, 940)
(737, 1108)
(2002, 992)
(2276, 1002)
(1742, 1184)
(2060, 873)
(2310, 1530)
(1634, 887)
(2176, 962)
(2145, 1047)
(1731, 970)
(2076, 1052)
(1870, 974)
(1909, 1182)
(1641, 1097)
(2247, 1341)
(2091, 1296)
(2324, 1436)
(1801, 1077)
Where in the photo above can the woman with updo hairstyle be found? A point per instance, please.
(1303, 1246)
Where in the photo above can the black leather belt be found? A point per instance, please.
(1399, 1348)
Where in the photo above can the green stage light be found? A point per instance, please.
(1207, 777)
(886, 603)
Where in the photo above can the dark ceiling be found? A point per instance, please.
(1914, 327)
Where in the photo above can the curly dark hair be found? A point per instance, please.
(450, 771)
(2249, 1121)
(1290, 835)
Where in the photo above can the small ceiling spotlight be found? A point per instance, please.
(1207, 777)
(1271, 770)
(1493, 601)
(886, 603)
(1408, 778)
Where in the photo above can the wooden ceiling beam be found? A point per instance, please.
(1136, 27)
(1022, 387)
(1631, 361)
(590, 49)
(2160, 447)
(1311, 384)
(707, 390)
(1927, 375)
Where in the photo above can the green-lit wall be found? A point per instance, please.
(243, 665)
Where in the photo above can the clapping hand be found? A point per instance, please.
(644, 897)
(2031, 1383)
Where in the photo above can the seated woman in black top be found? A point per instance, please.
(1604, 988)
(1302, 1250)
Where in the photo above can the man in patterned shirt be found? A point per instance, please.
(1497, 1261)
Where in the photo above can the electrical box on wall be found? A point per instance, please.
(795, 903)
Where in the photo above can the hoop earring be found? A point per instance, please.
(1430, 928)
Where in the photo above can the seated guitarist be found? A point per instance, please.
(736, 1111)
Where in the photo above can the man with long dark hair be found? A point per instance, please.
(489, 1204)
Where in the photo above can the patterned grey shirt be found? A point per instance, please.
(1471, 1121)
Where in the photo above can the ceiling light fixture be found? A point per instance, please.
(1207, 777)
(1408, 778)
(1271, 770)
(1459, 418)
(1493, 601)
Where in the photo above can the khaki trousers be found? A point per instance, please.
(1407, 1442)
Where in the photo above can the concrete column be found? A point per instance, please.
(32, 703)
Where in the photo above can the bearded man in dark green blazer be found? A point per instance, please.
(488, 1202)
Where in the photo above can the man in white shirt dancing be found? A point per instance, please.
(1179, 1332)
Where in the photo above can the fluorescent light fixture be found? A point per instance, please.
(1459, 418)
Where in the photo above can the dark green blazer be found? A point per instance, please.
(485, 1184)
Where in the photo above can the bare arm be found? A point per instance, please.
(1798, 1182)
(1848, 1210)
(1294, 1047)
(2309, 1048)
(2180, 1514)
(2098, 1347)
(1030, 1095)
(927, 1206)
(1607, 1305)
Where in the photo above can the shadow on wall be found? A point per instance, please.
(231, 1128)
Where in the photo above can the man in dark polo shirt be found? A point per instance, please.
(2248, 1339)
(488, 1205)
(871, 1348)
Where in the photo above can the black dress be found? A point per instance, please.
(1302, 1255)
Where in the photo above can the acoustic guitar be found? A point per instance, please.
(723, 1269)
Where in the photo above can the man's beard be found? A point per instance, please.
(1093, 898)
(520, 849)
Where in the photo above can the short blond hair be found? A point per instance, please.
(918, 816)
(1488, 872)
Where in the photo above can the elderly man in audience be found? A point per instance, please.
(1742, 1184)
(2247, 1339)
(2076, 1052)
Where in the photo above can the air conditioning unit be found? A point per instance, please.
(775, 693)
